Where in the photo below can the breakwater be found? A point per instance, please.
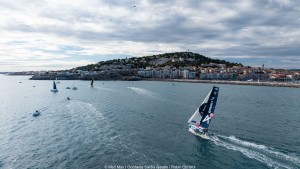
(273, 84)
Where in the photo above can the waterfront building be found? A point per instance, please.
(185, 74)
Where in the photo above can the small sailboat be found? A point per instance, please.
(57, 81)
(92, 82)
(54, 87)
(74, 87)
(201, 119)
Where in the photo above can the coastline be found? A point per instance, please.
(270, 84)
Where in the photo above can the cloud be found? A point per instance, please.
(64, 31)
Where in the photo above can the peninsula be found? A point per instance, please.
(178, 66)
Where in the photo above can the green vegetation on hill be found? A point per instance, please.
(177, 59)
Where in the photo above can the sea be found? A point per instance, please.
(143, 125)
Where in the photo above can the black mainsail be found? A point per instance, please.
(92, 82)
(54, 85)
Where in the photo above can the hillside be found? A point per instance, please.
(177, 59)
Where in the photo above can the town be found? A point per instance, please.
(180, 65)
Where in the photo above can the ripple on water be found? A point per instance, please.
(146, 125)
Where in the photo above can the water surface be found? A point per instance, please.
(145, 123)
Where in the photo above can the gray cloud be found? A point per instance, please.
(228, 29)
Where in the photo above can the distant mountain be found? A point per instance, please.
(177, 59)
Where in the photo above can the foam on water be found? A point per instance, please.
(143, 91)
(290, 157)
(124, 148)
(79, 108)
(148, 93)
(244, 147)
(105, 88)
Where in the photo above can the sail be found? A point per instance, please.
(54, 85)
(210, 108)
(196, 117)
(202, 116)
(92, 82)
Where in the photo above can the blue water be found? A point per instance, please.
(145, 123)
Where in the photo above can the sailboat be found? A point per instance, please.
(92, 82)
(54, 87)
(57, 80)
(201, 119)
(74, 87)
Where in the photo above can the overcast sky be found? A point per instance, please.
(62, 34)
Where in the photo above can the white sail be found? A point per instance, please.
(196, 117)
(57, 80)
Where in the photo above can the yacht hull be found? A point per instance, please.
(200, 134)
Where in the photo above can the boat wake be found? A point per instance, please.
(87, 116)
(143, 91)
(104, 88)
(267, 155)
(156, 96)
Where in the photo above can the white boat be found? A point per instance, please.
(36, 113)
(200, 120)
(54, 87)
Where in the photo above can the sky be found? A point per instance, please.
(63, 34)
